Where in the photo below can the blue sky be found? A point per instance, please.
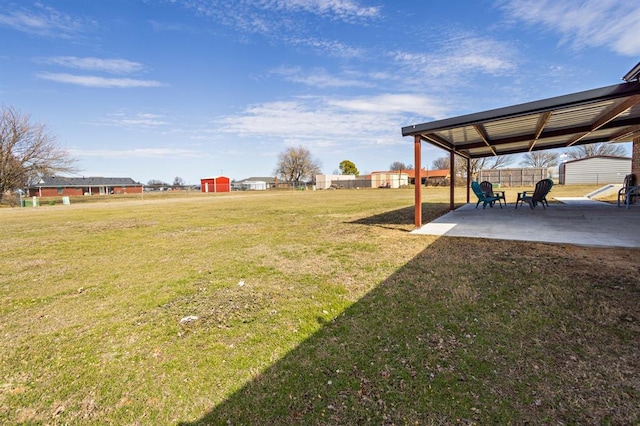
(154, 89)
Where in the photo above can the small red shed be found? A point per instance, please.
(215, 184)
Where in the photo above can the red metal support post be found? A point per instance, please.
(452, 179)
(468, 180)
(417, 211)
(635, 158)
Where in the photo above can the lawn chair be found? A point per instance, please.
(539, 194)
(483, 197)
(487, 188)
(629, 191)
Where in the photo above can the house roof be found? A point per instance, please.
(605, 114)
(58, 181)
(437, 173)
(391, 172)
(429, 173)
(214, 178)
(267, 179)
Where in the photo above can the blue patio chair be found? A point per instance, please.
(629, 191)
(484, 197)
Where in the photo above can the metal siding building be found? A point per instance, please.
(215, 184)
(595, 170)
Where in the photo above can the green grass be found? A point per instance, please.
(313, 308)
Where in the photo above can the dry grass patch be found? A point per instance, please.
(306, 308)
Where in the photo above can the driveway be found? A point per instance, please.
(579, 221)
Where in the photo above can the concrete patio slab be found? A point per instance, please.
(578, 221)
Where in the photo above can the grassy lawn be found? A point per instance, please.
(306, 307)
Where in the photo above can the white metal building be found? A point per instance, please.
(601, 169)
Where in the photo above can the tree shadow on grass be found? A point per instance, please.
(403, 218)
(442, 341)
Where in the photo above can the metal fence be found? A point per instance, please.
(516, 177)
(351, 184)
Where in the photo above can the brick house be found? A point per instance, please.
(52, 186)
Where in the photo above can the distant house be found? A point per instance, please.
(599, 169)
(430, 177)
(51, 186)
(215, 184)
(255, 183)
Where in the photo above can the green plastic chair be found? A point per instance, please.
(484, 197)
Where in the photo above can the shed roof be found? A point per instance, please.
(594, 157)
(606, 114)
(267, 179)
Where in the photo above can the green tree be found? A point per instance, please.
(27, 151)
(348, 168)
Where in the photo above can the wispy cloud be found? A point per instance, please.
(139, 120)
(45, 21)
(333, 48)
(614, 24)
(113, 66)
(330, 121)
(98, 81)
(290, 21)
(393, 104)
(463, 54)
(346, 10)
(320, 78)
(137, 153)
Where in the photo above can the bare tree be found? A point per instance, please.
(440, 163)
(494, 162)
(540, 159)
(476, 164)
(591, 150)
(398, 166)
(178, 181)
(295, 164)
(27, 151)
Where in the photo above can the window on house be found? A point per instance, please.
(60, 190)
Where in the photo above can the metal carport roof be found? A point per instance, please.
(606, 114)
